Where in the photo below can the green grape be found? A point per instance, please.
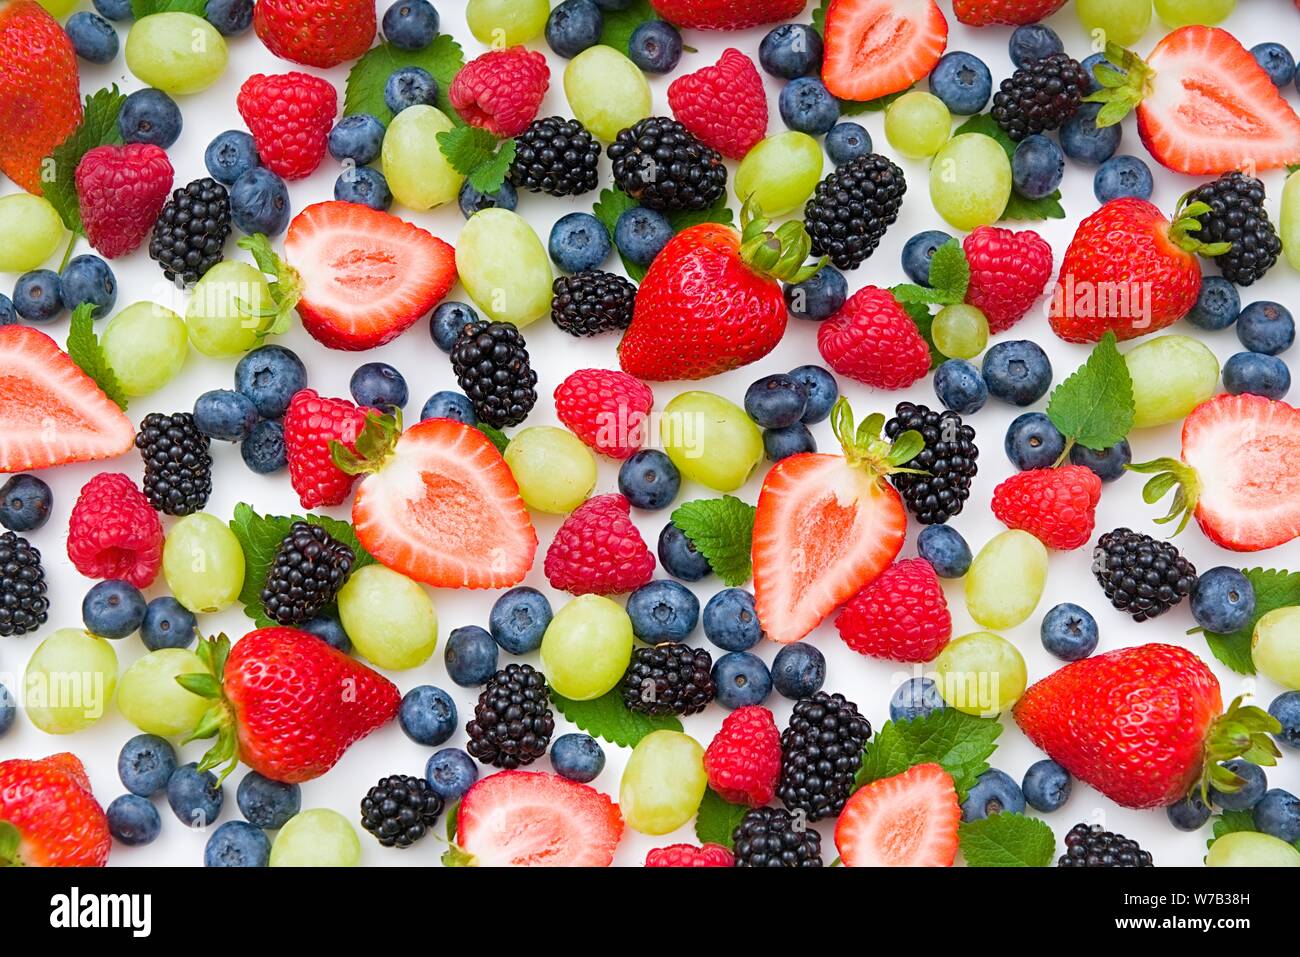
(1289, 224)
(58, 8)
(417, 172)
(69, 681)
(506, 23)
(30, 231)
(203, 563)
(176, 52)
(606, 91)
(1275, 646)
(1171, 376)
(1006, 579)
(151, 699)
(1181, 13)
(780, 172)
(587, 647)
(317, 837)
(1116, 21)
(223, 313)
(504, 267)
(710, 440)
(145, 345)
(960, 331)
(917, 124)
(663, 782)
(981, 674)
(389, 618)
(1251, 849)
(970, 181)
(555, 471)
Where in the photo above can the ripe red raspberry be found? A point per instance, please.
(605, 408)
(113, 532)
(873, 340)
(598, 551)
(1056, 506)
(724, 105)
(1008, 272)
(743, 761)
(501, 90)
(901, 616)
(310, 424)
(688, 855)
(290, 116)
(121, 190)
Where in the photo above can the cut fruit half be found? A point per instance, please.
(878, 47)
(909, 820)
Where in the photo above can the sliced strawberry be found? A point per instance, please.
(533, 819)
(909, 820)
(51, 412)
(365, 275)
(877, 47)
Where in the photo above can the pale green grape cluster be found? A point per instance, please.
(1251, 849)
(554, 470)
(1115, 21)
(1006, 579)
(981, 674)
(176, 52)
(30, 231)
(145, 345)
(1275, 646)
(606, 91)
(151, 699)
(663, 782)
(1181, 13)
(317, 837)
(504, 266)
(226, 310)
(203, 563)
(1171, 376)
(780, 172)
(587, 647)
(917, 124)
(69, 681)
(506, 23)
(960, 331)
(970, 181)
(711, 440)
(389, 617)
(416, 169)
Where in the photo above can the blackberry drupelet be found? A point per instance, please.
(663, 166)
(23, 605)
(512, 721)
(1237, 215)
(852, 208)
(1141, 576)
(190, 235)
(555, 156)
(948, 460)
(309, 568)
(821, 751)
(591, 302)
(769, 837)
(1040, 96)
(491, 364)
(669, 678)
(400, 809)
(1094, 846)
(177, 464)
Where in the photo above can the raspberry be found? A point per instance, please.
(724, 105)
(743, 760)
(605, 408)
(120, 191)
(309, 426)
(901, 616)
(873, 340)
(1008, 272)
(290, 116)
(501, 90)
(1054, 505)
(688, 855)
(598, 551)
(114, 532)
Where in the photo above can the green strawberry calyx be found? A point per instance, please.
(285, 285)
(373, 446)
(1125, 81)
(1187, 221)
(10, 843)
(781, 254)
(219, 720)
(865, 448)
(1166, 474)
(1245, 732)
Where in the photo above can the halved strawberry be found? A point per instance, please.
(51, 412)
(877, 47)
(533, 819)
(909, 820)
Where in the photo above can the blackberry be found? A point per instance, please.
(400, 809)
(1141, 576)
(1039, 96)
(769, 837)
(177, 464)
(309, 568)
(821, 751)
(491, 364)
(190, 235)
(1094, 846)
(555, 156)
(512, 721)
(852, 208)
(669, 678)
(591, 302)
(23, 605)
(1237, 216)
(663, 166)
(948, 460)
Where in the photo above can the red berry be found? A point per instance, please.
(980, 13)
(1054, 505)
(873, 340)
(501, 90)
(113, 532)
(320, 33)
(598, 551)
(688, 855)
(901, 616)
(724, 105)
(121, 190)
(1008, 272)
(290, 116)
(310, 424)
(743, 761)
(605, 408)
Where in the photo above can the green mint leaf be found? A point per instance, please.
(145, 8)
(950, 273)
(983, 123)
(1274, 588)
(84, 349)
(608, 717)
(1023, 209)
(1007, 840)
(819, 16)
(612, 204)
(911, 294)
(619, 25)
(478, 154)
(489, 177)
(722, 530)
(716, 819)
(443, 58)
(1094, 406)
(499, 438)
(58, 173)
(717, 213)
(858, 107)
(959, 742)
(919, 312)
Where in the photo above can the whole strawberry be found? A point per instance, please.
(688, 855)
(743, 761)
(121, 190)
(872, 339)
(501, 90)
(982, 13)
(58, 821)
(1055, 505)
(113, 531)
(727, 14)
(320, 33)
(290, 116)
(901, 616)
(605, 408)
(310, 424)
(1009, 270)
(598, 551)
(724, 105)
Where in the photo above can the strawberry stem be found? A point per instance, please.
(286, 286)
(1169, 474)
(1125, 82)
(1245, 732)
(219, 720)
(374, 444)
(1187, 221)
(781, 254)
(865, 448)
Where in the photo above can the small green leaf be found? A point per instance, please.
(1274, 588)
(717, 819)
(717, 213)
(1022, 209)
(476, 153)
(920, 314)
(985, 124)
(619, 25)
(443, 59)
(98, 128)
(1094, 406)
(608, 717)
(722, 530)
(950, 273)
(960, 743)
(205, 686)
(612, 204)
(858, 107)
(1007, 840)
(84, 349)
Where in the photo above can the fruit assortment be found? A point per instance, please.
(579, 503)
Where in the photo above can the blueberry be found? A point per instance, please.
(471, 200)
(427, 715)
(8, 710)
(410, 24)
(8, 316)
(1276, 61)
(264, 450)
(357, 137)
(1090, 63)
(1255, 374)
(577, 757)
(807, 106)
(167, 624)
(1248, 795)
(1034, 41)
(410, 86)
(268, 377)
(25, 503)
(1046, 785)
(195, 796)
(1069, 632)
(742, 679)
(959, 386)
(114, 9)
(230, 17)
(1222, 600)
(962, 81)
(145, 764)
(470, 656)
(820, 387)
(790, 51)
(1037, 166)
(818, 297)
(378, 385)
(449, 405)
(1108, 463)
(230, 155)
(88, 279)
(789, 440)
(237, 844)
(93, 38)
(1265, 327)
(1189, 814)
(150, 116)
(655, 47)
(447, 321)
(994, 792)
(329, 630)
(847, 141)
(798, 671)
(1033, 442)
(573, 26)
(1120, 176)
(640, 233)
(916, 697)
(917, 253)
(945, 549)
(113, 609)
(776, 401)
(1086, 142)
(579, 241)
(1217, 305)
(266, 803)
(663, 611)
(364, 185)
(731, 620)
(133, 820)
(38, 296)
(1017, 371)
(1286, 708)
(259, 202)
(225, 414)
(649, 480)
(1278, 814)
(518, 620)
(451, 772)
(679, 557)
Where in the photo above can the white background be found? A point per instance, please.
(866, 681)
